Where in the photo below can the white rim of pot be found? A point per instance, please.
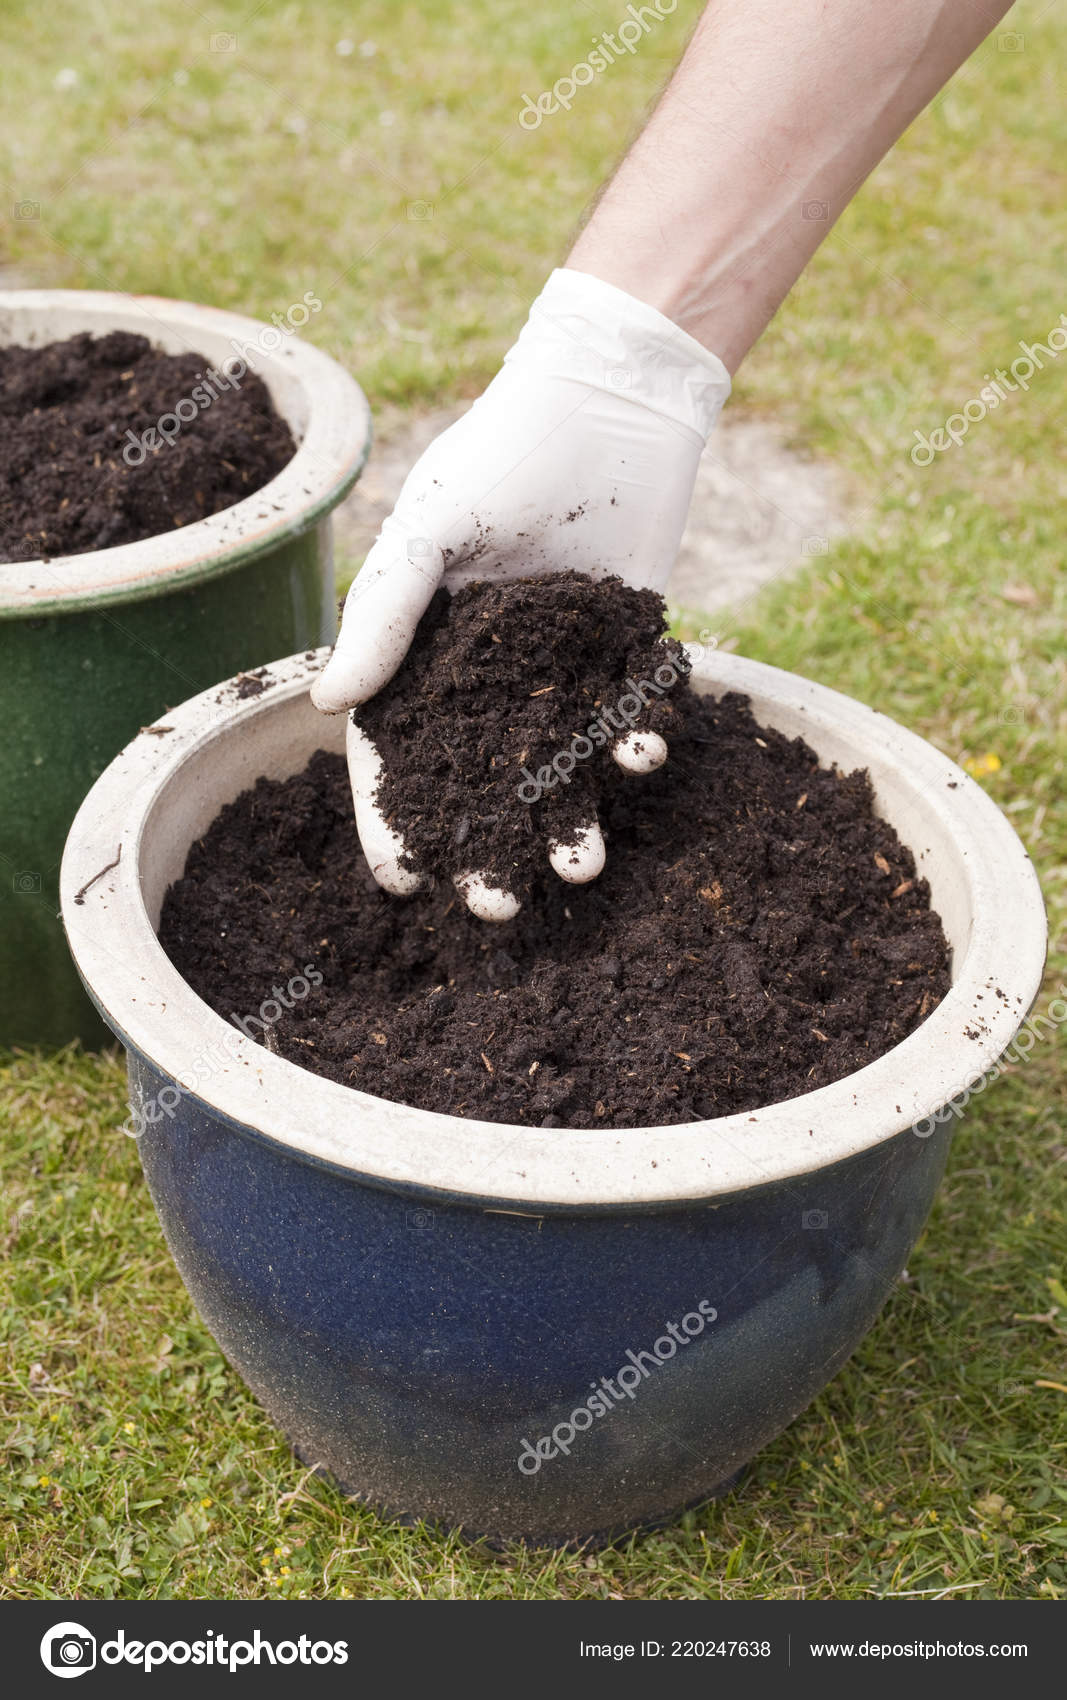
(325, 408)
(527, 1168)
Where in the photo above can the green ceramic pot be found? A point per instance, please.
(94, 647)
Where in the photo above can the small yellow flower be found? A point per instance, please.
(934, 1518)
(979, 766)
(44, 1481)
(285, 1570)
(207, 1504)
(345, 1594)
(879, 1505)
(804, 1465)
(54, 1417)
(129, 1428)
(13, 1571)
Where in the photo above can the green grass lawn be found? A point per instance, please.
(137, 1464)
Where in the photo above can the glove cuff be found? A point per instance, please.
(593, 333)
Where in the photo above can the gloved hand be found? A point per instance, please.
(581, 454)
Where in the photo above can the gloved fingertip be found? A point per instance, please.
(640, 752)
(384, 851)
(356, 672)
(331, 692)
(385, 865)
(583, 858)
(486, 901)
(382, 847)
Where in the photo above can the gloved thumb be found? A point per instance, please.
(386, 602)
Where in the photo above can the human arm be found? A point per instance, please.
(776, 114)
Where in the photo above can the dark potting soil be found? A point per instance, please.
(757, 931)
(67, 412)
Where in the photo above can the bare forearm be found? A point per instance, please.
(776, 114)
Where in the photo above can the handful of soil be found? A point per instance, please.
(496, 732)
(83, 464)
(757, 931)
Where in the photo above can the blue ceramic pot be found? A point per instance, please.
(420, 1349)
(533, 1333)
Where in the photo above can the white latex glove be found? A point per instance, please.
(581, 455)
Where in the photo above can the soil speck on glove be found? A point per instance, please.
(65, 410)
(757, 932)
(496, 733)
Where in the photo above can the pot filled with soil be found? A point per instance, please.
(544, 1228)
(167, 473)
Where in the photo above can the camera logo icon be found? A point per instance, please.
(26, 883)
(816, 210)
(68, 1649)
(814, 1219)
